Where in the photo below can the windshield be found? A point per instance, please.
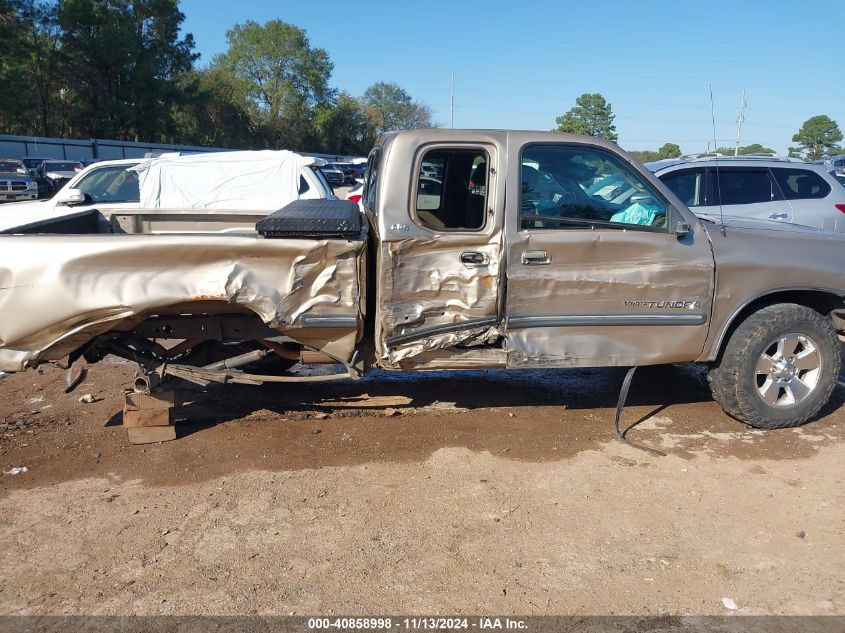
(32, 163)
(61, 166)
(10, 165)
(110, 184)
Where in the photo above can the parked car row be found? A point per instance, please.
(334, 175)
(339, 174)
(34, 177)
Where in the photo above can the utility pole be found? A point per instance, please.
(740, 119)
(452, 101)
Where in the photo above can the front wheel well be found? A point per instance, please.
(824, 302)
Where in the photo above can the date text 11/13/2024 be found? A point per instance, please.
(417, 623)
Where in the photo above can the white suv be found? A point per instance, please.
(776, 189)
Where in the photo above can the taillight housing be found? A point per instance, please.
(356, 198)
(840, 207)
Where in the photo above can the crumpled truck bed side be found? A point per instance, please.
(58, 292)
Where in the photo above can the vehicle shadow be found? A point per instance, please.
(659, 386)
(381, 391)
(653, 390)
(530, 416)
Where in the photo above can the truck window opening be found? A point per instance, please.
(452, 189)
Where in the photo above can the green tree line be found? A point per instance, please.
(120, 69)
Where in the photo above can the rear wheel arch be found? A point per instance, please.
(142, 326)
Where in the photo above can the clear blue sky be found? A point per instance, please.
(519, 64)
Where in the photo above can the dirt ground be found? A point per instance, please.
(477, 492)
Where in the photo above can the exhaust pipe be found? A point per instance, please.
(306, 357)
(239, 361)
(316, 358)
(145, 383)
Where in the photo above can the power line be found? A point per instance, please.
(681, 140)
(560, 98)
(623, 117)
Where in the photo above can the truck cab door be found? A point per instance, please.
(602, 269)
(439, 250)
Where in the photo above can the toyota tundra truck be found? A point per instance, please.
(470, 249)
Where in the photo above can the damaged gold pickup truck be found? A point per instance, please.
(472, 249)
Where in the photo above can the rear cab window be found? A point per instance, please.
(32, 163)
(62, 166)
(451, 189)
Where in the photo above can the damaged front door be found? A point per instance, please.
(439, 258)
(602, 270)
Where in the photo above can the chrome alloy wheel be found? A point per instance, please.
(788, 370)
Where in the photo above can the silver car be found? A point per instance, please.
(835, 166)
(837, 161)
(772, 188)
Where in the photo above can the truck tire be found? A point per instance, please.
(779, 367)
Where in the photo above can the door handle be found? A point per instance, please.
(471, 259)
(779, 216)
(536, 258)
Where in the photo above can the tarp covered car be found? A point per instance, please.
(250, 180)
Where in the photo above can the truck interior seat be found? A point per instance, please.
(474, 207)
(429, 218)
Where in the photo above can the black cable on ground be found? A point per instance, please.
(623, 396)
